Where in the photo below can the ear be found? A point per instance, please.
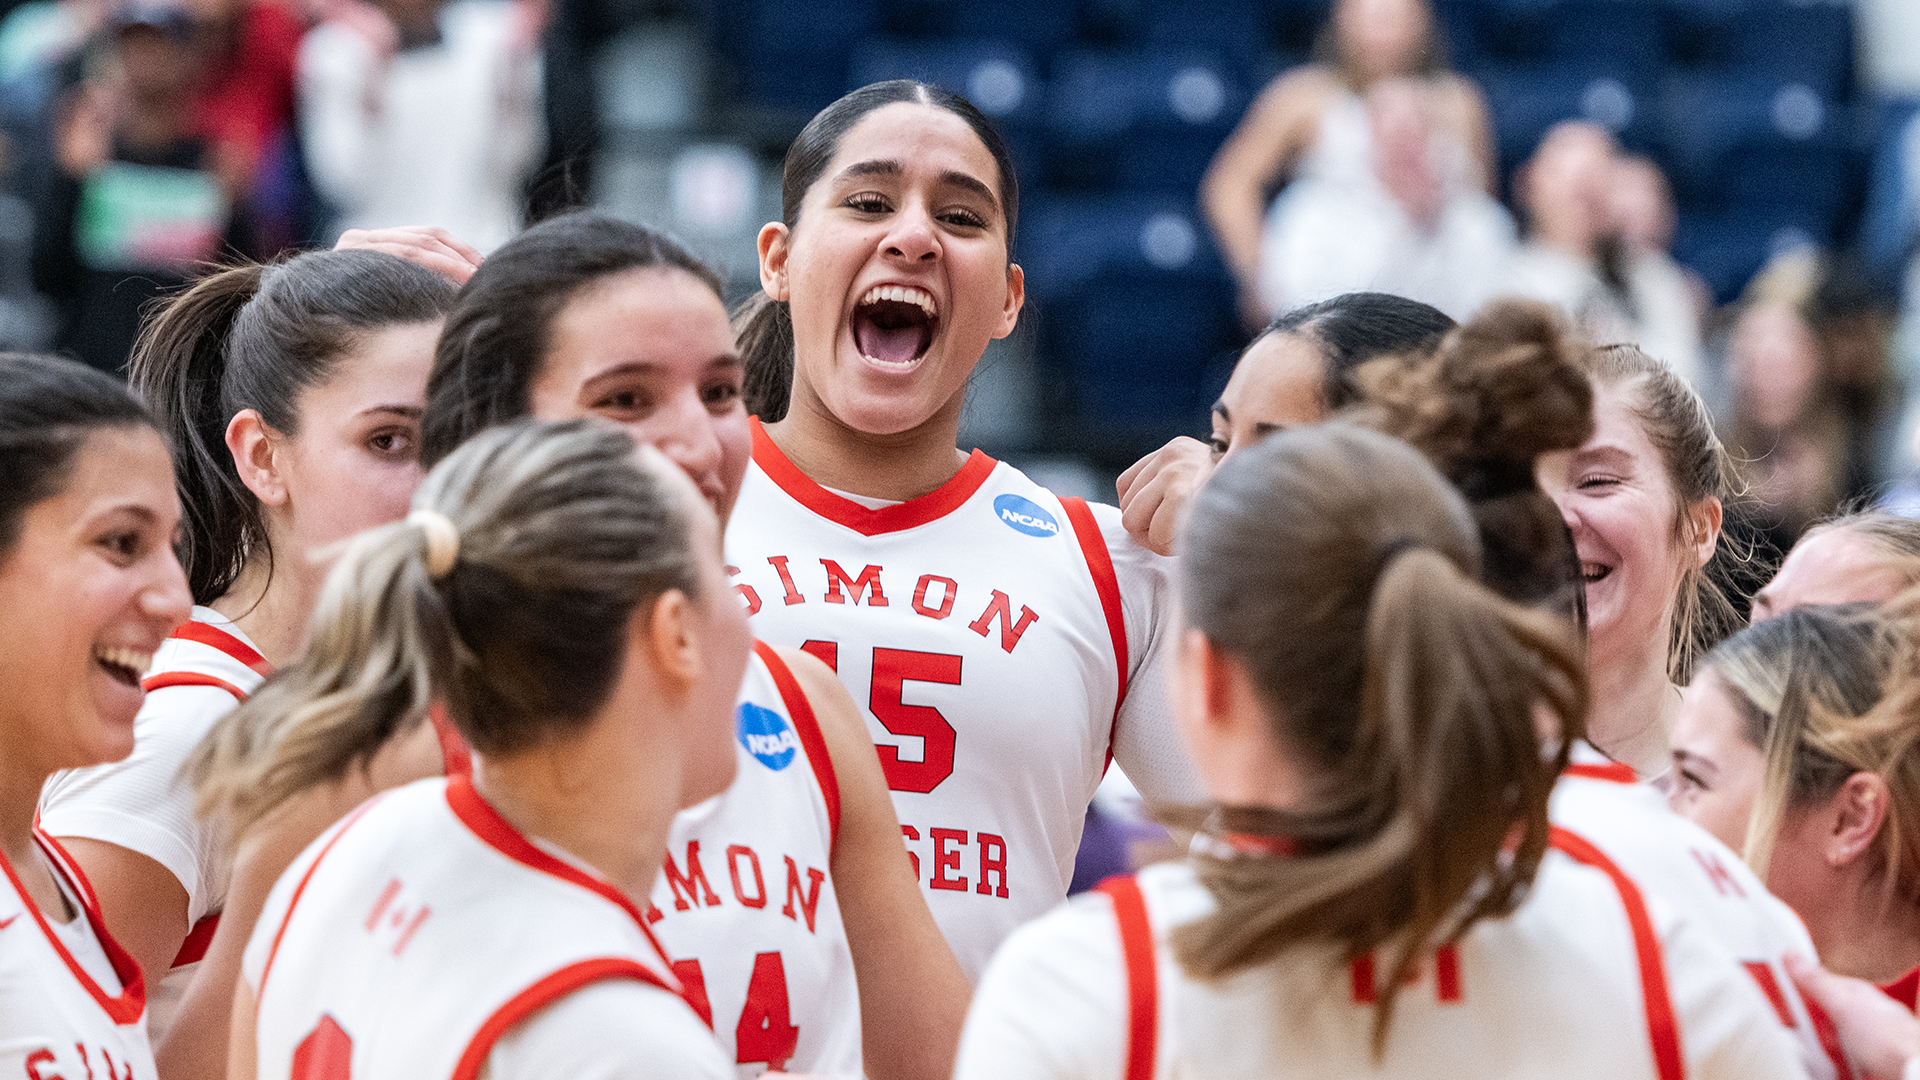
(665, 635)
(773, 243)
(1858, 810)
(1016, 298)
(1202, 684)
(1704, 520)
(255, 449)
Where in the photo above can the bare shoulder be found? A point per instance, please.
(833, 707)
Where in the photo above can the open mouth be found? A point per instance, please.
(123, 665)
(893, 325)
(1591, 572)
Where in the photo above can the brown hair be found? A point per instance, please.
(1895, 537)
(1339, 567)
(1497, 393)
(1698, 468)
(562, 535)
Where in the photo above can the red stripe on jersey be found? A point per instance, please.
(190, 678)
(1763, 975)
(807, 726)
(911, 514)
(1106, 584)
(1829, 1037)
(128, 1007)
(455, 758)
(1143, 981)
(194, 948)
(541, 994)
(1612, 771)
(294, 902)
(207, 634)
(1662, 1028)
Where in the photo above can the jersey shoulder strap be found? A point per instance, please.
(1093, 546)
(807, 726)
(543, 993)
(1143, 978)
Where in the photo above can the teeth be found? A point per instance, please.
(1591, 571)
(133, 660)
(902, 294)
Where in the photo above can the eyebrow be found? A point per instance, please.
(1687, 758)
(411, 412)
(884, 167)
(1221, 408)
(647, 367)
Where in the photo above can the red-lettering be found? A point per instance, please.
(827, 652)
(759, 900)
(325, 1054)
(779, 564)
(1723, 880)
(944, 860)
(992, 864)
(766, 1031)
(381, 902)
(1763, 974)
(746, 593)
(695, 875)
(810, 900)
(912, 833)
(112, 1074)
(868, 582)
(1010, 630)
(654, 914)
(694, 982)
(948, 590)
(891, 668)
(42, 1056)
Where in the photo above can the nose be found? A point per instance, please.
(167, 600)
(683, 431)
(912, 239)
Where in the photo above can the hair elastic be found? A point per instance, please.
(443, 541)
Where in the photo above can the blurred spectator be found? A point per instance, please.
(243, 108)
(137, 198)
(1409, 166)
(425, 112)
(1598, 226)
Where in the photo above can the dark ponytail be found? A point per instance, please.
(1340, 568)
(256, 337)
(763, 326)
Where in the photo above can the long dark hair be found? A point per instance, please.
(763, 326)
(48, 407)
(497, 334)
(256, 337)
(1354, 328)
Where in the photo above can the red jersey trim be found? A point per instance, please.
(1905, 989)
(293, 904)
(1662, 1028)
(194, 948)
(456, 759)
(807, 726)
(1143, 980)
(190, 678)
(1093, 546)
(543, 993)
(208, 634)
(1829, 1037)
(1613, 772)
(498, 833)
(911, 514)
(131, 1005)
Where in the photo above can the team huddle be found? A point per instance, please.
(436, 666)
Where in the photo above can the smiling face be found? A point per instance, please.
(1831, 567)
(91, 588)
(1279, 383)
(1717, 772)
(1619, 502)
(896, 272)
(650, 350)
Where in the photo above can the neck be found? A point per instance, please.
(19, 797)
(598, 795)
(899, 467)
(271, 604)
(1634, 705)
(1860, 936)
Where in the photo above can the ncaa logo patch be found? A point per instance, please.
(1021, 515)
(766, 735)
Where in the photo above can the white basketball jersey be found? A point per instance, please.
(981, 627)
(56, 1020)
(1585, 981)
(745, 903)
(414, 934)
(1675, 860)
(143, 803)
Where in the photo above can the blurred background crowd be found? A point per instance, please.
(1733, 184)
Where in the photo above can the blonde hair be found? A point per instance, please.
(1895, 537)
(561, 536)
(1339, 567)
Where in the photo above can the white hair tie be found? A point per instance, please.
(443, 541)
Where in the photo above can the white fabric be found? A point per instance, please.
(1554, 990)
(1031, 725)
(143, 803)
(447, 137)
(591, 1035)
(1661, 319)
(415, 926)
(750, 874)
(1335, 229)
(51, 1023)
(1684, 865)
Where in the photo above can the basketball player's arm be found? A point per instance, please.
(913, 993)
(1156, 488)
(241, 1063)
(144, 905)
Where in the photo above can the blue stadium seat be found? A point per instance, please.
(1139, 120)
(1000, 78)
(1037, 27)
(779, 76)
(1809, 43)
(1525, 102)
(1627, 35)
(1707, 118)
(1728, 249)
